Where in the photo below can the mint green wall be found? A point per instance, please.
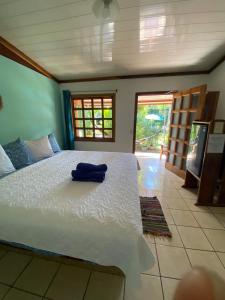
(32, 103)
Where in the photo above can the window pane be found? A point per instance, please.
(108, 134)
(107, 113)
(78, 114)
(107, 103)
(93, 117)
(89, 133)
(88, 114)
(78, 123)
(108, 123)
(98, 133)
(97, 103)
(98, 124)
(98, 113)
(88, 124)
(87, 103)
(77, 104)
(79, 133)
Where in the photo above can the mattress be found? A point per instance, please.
(41, 207)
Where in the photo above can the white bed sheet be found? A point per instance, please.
(42, 208)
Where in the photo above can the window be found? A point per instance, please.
(94, 117)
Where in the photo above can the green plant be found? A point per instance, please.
(153, 132)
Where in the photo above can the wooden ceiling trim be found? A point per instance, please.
(134, 76)
(13, 53)
(219, 62)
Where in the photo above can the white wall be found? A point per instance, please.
(125, 101)
(216, 82)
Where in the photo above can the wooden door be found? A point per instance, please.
(188, 106)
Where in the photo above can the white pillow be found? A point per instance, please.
(40, 148)
(6, 165)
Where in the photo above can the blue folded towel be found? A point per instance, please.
(85, 167)
(78, 175)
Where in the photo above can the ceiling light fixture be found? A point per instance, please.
(106, 9)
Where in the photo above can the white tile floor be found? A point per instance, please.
(198, 239)
(198, 232)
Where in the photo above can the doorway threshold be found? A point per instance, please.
(150, 155)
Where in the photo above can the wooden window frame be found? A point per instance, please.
(92, 97)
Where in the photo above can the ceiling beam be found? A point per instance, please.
(13, 53)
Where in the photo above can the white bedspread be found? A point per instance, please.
(41, 207)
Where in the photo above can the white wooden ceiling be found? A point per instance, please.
(148, 36)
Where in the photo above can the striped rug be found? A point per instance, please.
(153, 219)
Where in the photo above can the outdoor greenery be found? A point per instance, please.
(96, 123)
(152, 126)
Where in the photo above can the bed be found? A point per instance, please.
(42, 208)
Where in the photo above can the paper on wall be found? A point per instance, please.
(218, 127)
(216, 143)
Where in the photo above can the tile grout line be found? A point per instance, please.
(32, 293)
(203, 233)
(159, 272)
(163, 276)
(88, 281)
(170, 277)
(4, 254)
(173, 246)
(27, 292)
(176, 225)
(214, 214)
(51, 281)
(210, 242)
(192, 211)
(214, 249)
(6, 284)
(220, 258)
(147, 274)
(12, 286)
(31, 259)
(210, 213)
(7, 293)
(184, 248)
(170, 245)
(181, 237)
(215, 229)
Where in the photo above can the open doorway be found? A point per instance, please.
(152, 121)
